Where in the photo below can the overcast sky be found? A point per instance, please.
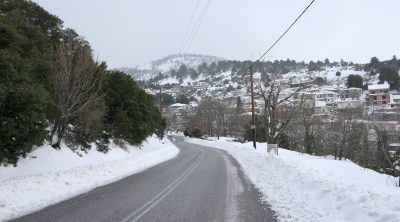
(133, 32)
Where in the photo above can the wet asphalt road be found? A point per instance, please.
(200, 184)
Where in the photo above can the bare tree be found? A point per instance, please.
(234, 109)
(78, 83)
(206, 118)
(279, 109)
(345, 133)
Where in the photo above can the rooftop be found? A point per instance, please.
(385, 85)
(179, 105)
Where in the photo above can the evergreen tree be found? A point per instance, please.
(182, 99)
(193, 74)
(312, 66)
(182, 72)
(27, 36)
(354, 81)
(131, 114)
(327, 62)
(320, 81)
(391, 76)
(167, 99)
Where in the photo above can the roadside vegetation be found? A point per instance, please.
(53, 90)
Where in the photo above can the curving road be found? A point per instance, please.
(200, 184)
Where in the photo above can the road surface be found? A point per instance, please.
(200, 184)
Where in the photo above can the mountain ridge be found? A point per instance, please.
(166, 64)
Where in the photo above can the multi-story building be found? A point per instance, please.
(379, 95)
(352, 93)
(322, 95)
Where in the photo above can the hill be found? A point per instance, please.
(168, 63)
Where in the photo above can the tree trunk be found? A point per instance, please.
(60, 132)
(53, 131)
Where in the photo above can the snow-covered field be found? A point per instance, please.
(48, 176)
(306, 188)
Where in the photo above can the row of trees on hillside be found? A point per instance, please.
(239, 67)
(51, 89)
(167, 99)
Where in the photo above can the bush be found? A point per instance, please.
(131, 114)
(197, 133)
(186, 133)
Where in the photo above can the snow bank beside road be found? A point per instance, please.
(301, 187)
(48, 176)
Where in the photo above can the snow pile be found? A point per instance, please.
(301, 187)
(48, 176)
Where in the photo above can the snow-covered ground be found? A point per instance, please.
(306, 188)
(48, 176)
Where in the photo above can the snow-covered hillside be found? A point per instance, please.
(225, 78)
(328, 73)
(301, 187)
(164, 65)
(175, 61)
(48, 176)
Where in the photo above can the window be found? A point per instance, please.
(372, 92)
(384, 102)
(383, 97)
(375, 98)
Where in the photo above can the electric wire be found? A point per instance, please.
(281, 36)
(188, 26)
(196, 28)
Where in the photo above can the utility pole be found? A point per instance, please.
(160, 101)
(219, 118)
(253, 117)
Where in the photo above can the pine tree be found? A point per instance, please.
(354, 81)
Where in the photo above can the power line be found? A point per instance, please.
(196, 28)
(287, 30)
(188, 26)
(253, 126)
(280, 37)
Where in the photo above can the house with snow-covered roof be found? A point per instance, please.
(323, 95)
(179, 106)
(395, 100)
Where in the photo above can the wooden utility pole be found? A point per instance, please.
(253, 117)
(219, 118)
(160, 101)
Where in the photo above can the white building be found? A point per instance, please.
(323, 95)
(394, 101)
(348, 103)
(179, 106)
(320, 107)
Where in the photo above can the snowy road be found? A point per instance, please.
(200, 184)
